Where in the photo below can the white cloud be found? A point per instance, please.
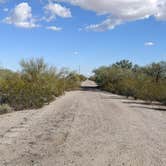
(105, 25)
(149, 43)
(55, 9)
(161, 12)
(21, 16)
(5, 9)
(121, 11)
(116, 11)
(54, 28)
(76, 52)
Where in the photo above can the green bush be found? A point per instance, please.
(35, 85)
(146, 83)
(160, 92)
(72, 81)
(4, 108)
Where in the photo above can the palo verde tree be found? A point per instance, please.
(147, 83)
(35, 84)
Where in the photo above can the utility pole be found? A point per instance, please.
(79, 69)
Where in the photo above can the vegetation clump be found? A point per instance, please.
(146, 83)
(4, 108)
(35, 85)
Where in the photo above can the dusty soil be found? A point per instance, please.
(85, 128)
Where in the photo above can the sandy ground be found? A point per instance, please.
(85, 128)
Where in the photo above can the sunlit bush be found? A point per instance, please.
(146, 83)
(35, 85)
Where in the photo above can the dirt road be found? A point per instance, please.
(85, 128)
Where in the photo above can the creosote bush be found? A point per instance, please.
(4, 108)
(146, 83)
(35, 85)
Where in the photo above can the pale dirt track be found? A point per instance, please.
(85, 128)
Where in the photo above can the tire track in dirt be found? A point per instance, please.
(84, 128)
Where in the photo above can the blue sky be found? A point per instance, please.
(69, 34)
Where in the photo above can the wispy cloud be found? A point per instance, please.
(76, 53)
(5, 9)
(55, 9)
(105, 25)
(54, 28)
(149, 43)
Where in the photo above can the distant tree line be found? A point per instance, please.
(146, 83)
(35, 85)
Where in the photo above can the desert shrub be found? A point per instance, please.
(147, 91)
(72, 81)
(22, 93)
(128, 87)
(146, 83)
(4, 108)
(82, 77)
(4, 73)
(35, 85)
(160, 92)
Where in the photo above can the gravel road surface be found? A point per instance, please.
(85, 128)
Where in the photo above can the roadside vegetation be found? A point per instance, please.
(35, 85)
(146, 83)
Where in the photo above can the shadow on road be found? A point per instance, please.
(142, 102)
(114, 97)
(89, 85)
(150, 108)
(146, 105)
(90, 88)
